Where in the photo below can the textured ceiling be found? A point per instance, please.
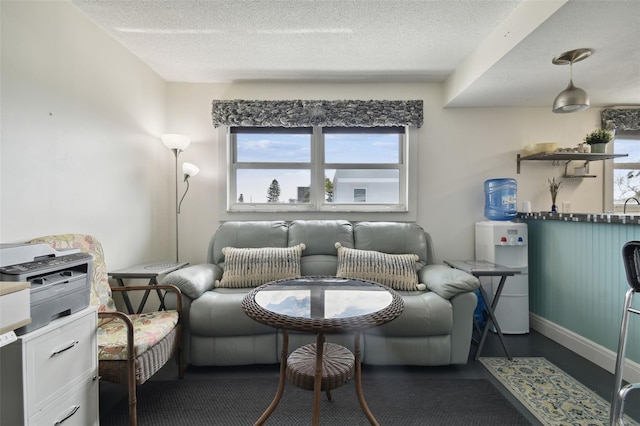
(486, 53)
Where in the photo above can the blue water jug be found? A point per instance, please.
(500, 199)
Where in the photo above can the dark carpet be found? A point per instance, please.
(393, 401)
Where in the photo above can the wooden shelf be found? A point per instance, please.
(566, 158)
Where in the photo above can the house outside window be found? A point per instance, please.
(317, 169)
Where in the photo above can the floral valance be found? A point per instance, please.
(622, 120)
(306, 113)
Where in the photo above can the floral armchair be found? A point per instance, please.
(131, 347)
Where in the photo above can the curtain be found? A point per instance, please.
(621, 120)
(307, 113)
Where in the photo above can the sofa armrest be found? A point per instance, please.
(447, 282)
(194, 280)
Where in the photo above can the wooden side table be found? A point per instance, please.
(482, 268)
(150, 271)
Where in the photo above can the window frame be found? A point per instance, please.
(611, 166)
(318, 206)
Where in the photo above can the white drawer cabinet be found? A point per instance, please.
(50, 376)
(74, 408)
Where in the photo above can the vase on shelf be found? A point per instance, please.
(553, 189)
(598, 148)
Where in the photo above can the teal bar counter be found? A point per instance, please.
(576, 274)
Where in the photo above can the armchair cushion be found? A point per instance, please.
(251, 267)
(148, 329)
(447, 282)
(397, 271)
(194, 280)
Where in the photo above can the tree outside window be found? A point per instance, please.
(273, 194)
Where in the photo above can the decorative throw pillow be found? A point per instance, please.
(251, 267)
(397, 271)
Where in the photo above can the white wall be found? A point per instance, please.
(80, 150)
(459, 149)
(79, 139)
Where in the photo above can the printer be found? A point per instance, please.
(60, 279)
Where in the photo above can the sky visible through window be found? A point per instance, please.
(358, 148)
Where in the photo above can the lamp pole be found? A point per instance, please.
(176, 151)
(188, 170)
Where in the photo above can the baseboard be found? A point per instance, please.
(586, 348)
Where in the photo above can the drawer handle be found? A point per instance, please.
(73, 411)
(66, 348)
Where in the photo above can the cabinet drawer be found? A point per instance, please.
(77, 407)
(59, 359)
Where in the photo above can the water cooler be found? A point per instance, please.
(505, 243)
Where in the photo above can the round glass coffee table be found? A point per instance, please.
(322, 305)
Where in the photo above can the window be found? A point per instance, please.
(626, 171)
(360, 195)
(317, 169)
(270, 166)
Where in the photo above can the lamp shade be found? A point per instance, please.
(571, 99)
(189, 170)
(175, 141)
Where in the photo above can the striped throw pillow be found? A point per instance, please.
(251, 267)
(397, 271)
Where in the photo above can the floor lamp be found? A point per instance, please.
(176, 143)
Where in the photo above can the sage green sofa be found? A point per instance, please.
(434, 328)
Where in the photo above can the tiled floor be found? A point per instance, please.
(529, 345)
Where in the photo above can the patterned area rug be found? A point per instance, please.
(550, 394)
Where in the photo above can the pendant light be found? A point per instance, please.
(571, 99)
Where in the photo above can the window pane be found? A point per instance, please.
(378, 186)
(360, 195)
(626, 183)
(627, 146)
(273, 148)
(255, 185)
(361, 148)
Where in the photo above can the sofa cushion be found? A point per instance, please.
(251, 267)
(394, 238)
(253, 234)
(424, 314)
(320, 236)
(318, 265)
(218, 313)
(397, 271)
